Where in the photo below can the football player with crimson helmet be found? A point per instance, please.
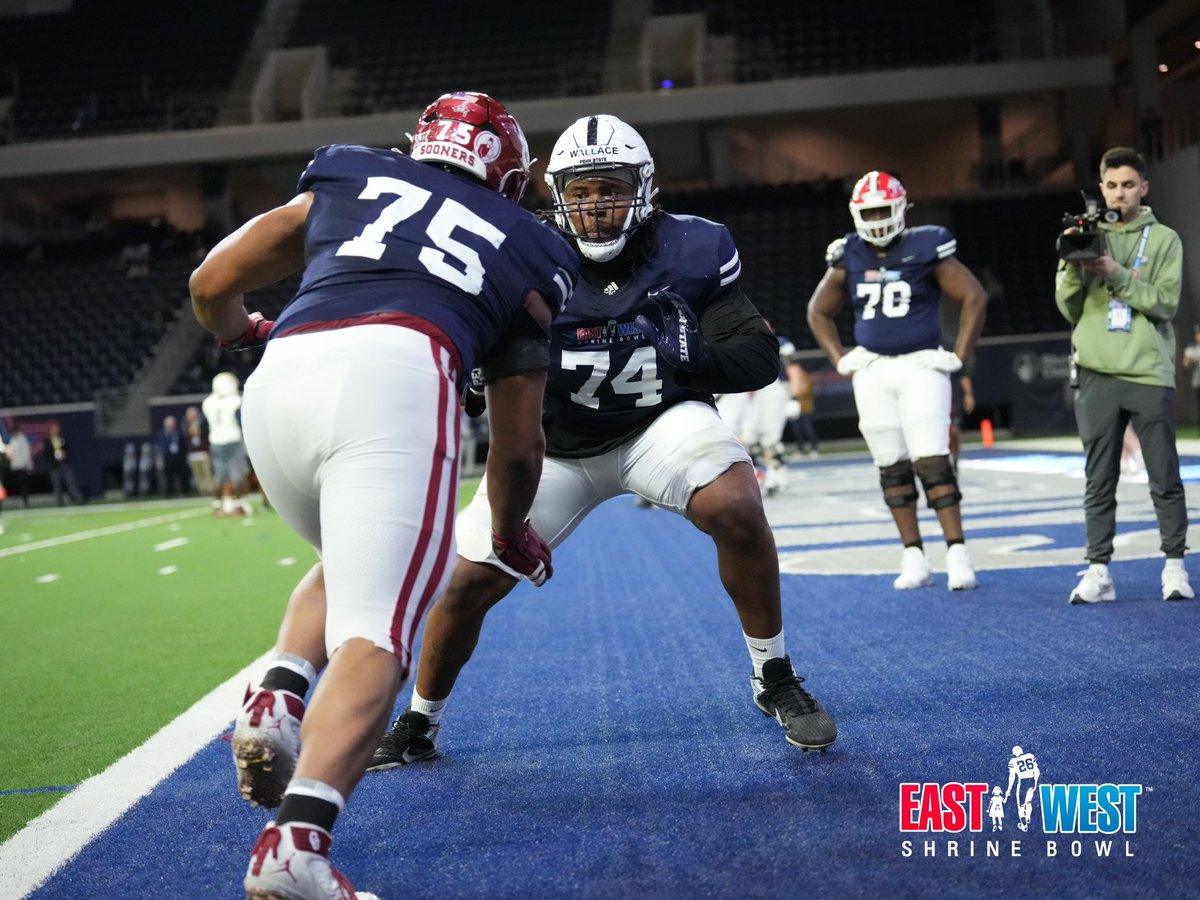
(658, 323)
(895, 277)
(417, 269)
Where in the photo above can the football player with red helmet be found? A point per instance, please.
(417, 269)
(895, 277)
(659, 322)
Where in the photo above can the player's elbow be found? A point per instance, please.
(202, 287)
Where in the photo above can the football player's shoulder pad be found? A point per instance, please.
(835, 253)
(700, 246)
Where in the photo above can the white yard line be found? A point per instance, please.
(54, 838)
(49, 543)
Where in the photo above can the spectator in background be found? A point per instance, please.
(804, 429)
(1120, 306)
(222, 411)
(1191, 360)
(197, 450)
(4, 439)
(172, 447)
(58, 459)
(20, 459)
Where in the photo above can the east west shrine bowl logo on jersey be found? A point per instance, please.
(1092, 811)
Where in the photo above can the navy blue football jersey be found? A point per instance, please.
(896, 296)
(388, 235)
(607, 382)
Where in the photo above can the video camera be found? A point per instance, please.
(1088, 242)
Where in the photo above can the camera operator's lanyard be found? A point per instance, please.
(1120, 316)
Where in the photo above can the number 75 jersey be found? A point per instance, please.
(896, 296)
(412, 243)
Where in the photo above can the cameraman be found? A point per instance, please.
(1120, 306)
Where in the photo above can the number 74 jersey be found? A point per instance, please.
(896, 296)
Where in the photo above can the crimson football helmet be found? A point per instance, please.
(475, 133)
(878, 190)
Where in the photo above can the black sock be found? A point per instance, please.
(950, 542)
(303, 808)
(919, 544)
(280, 678)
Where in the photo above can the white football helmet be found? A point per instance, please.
(878, 190)
(602, 145)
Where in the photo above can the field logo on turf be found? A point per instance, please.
(974, 807)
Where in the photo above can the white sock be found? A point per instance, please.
(763, 649)
(431, 709)
(1173, 564)
(1099, 568)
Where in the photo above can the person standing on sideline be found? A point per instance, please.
(20, 458)
(173, 451)
(895, 276)
(198, 458)
(222, 411)
(1120, 306)
(629, 409)
(417, 269)
(1191, 360)
(58, 458)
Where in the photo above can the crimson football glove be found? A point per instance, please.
(676, 335)
(255, 335)
(524, 552)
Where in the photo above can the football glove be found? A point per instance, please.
(524, 552)
(255, 335)
(940, 360)
(474, 402)
(676, 334)
(855, 360)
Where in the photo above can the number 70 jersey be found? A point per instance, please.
(896, 296)
(409, 241)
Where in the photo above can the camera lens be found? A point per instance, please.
(1111, 216)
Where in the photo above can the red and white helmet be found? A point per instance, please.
(475, 133)
(878, 190)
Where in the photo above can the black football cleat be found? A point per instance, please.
(779, 694)
(410, 739)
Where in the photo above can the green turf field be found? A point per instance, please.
(116, 619)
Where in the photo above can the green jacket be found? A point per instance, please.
(1146, 353)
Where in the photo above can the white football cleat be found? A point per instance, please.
(914, 570)
(266, 743)
(292, 861)
(960, 574)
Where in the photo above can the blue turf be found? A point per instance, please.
(603, 743)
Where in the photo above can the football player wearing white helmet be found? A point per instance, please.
(895, 277)
(417, 269)
(658, 323)
(1023, 771)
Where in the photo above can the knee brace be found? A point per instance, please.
(899, 486)
(938, 471)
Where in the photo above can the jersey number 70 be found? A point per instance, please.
(896, 296)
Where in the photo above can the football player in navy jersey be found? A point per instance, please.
(895, 276)
(659, 322)
(417, 269)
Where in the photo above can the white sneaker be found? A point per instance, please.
(914, 570)
(960, 574)
(266, 743)
(1095, 587)
(292, 861)
(1175, 585)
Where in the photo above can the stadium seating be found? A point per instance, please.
(109, 66)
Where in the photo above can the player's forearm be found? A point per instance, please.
(974, 313)
(825, 332)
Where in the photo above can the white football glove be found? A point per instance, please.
(856, 360)
(939, 360)
(793, 409)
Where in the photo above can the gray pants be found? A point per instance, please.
(1104, 405)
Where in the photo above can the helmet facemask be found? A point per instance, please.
(879, 231)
